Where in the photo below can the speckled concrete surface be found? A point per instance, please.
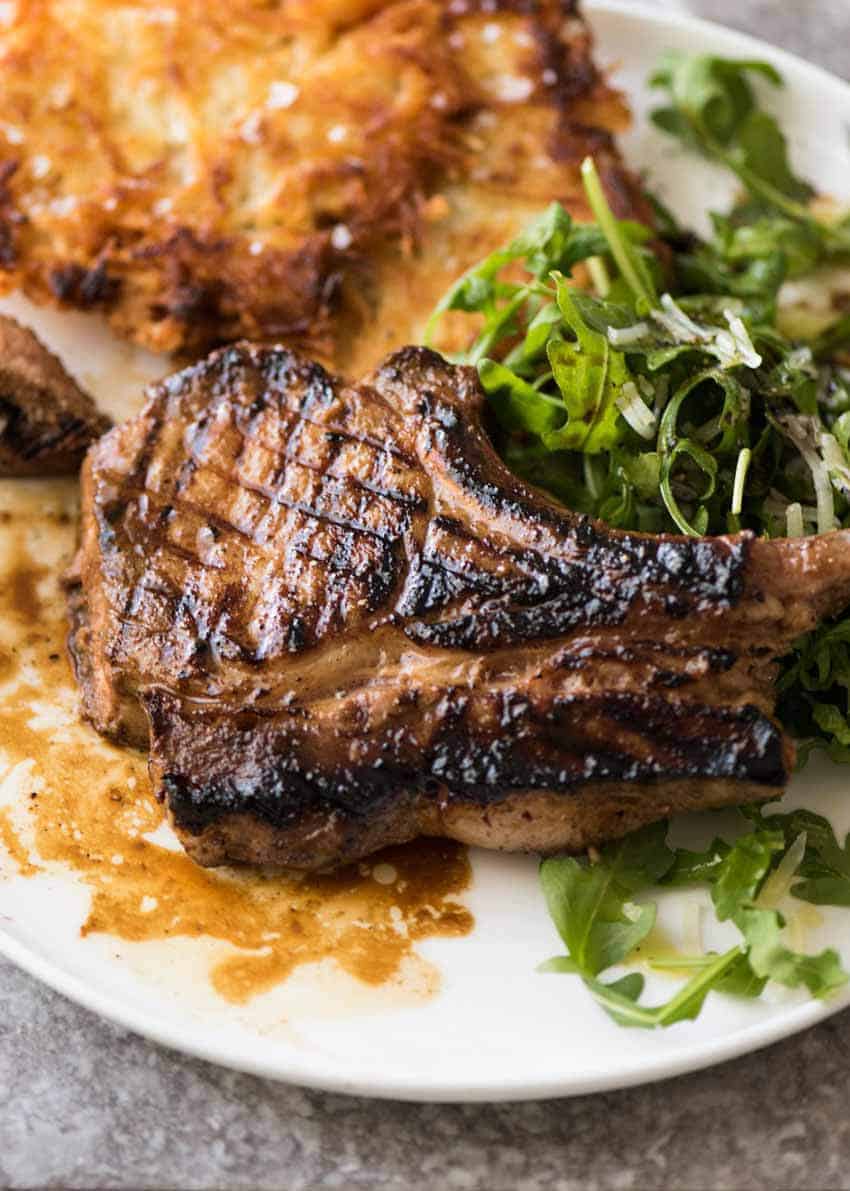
(85, 1105)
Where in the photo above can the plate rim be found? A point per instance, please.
(687, 22)
(358, 1081)
(357, 1077)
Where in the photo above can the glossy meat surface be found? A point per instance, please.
(341, 622)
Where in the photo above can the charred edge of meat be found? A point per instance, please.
(684, 741)
(598, 586)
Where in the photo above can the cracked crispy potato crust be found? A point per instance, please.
(314, 170)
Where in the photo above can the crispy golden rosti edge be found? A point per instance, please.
(175, 287)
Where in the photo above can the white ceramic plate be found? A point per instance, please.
(496, 1030)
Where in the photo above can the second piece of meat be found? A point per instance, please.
(47, 422)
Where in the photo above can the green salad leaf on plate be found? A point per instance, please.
(662, 382)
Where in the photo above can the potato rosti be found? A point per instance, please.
(313, 170)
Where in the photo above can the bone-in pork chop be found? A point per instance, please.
(341, 622)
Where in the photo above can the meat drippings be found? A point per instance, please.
(71, 801)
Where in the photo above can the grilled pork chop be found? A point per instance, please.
(341, 622)
(47, 422)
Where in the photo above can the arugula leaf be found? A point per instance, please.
(739, 980)
(619, 998)
(766, 239)
(708, 270)
(550, 242)
(814, 687)
(554, 241)
(591, 904)
(769, 958)
(631, 264)
(735, 895)
(601, 315)
(825, 867)
(760, 152)
(597, 923)
(517, 404)
(710, 95)
(529, 354)
(600, 926)
(590, 375)
(675, 448)
(591, 907)
(714, 111)
(739, 877)
(697, 868)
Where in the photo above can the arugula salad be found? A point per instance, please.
(663, 382)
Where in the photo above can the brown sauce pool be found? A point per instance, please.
(85, 806)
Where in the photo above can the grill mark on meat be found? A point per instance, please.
(591, 591)
(377, 571)
(416, 503)
(349, 624)
(362, 440)
(273, 496)
(717, 660)
(527, 750)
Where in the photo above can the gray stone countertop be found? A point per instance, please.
(83, 1104)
